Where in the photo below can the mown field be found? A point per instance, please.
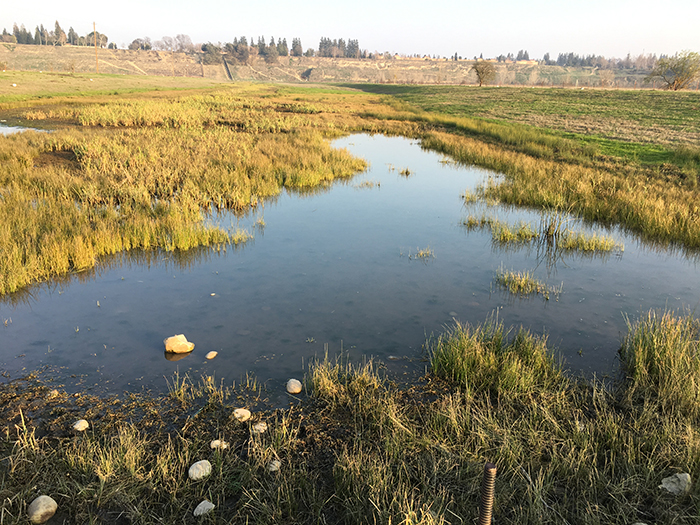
(142, 166)
(643, 124)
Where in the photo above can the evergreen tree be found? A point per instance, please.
(72, 37)
(59, 35)
(272, 54)
(353, 49)
(37, 37)
(297, 49)
(282, 48)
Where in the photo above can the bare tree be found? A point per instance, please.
(168, 43)
(607, 77)
(678, 71)
(485, 72)
(183, 43)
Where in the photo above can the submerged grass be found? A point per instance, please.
(524, 283)
(361, 449)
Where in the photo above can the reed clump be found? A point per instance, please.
(552, 233)
(525, 283)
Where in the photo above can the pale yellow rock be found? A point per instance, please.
(274, 465)
(81, 425)
(241, 414)
(178, 344)
(212, 354)
(294, 386)
(219, 444)
(41, 509)
(259, 428)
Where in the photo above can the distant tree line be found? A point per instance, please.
(640, 62)
(58, 37)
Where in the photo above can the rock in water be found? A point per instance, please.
(294, 386)
(204, 508)
(241, 414)
(200, 470)
(178, 344)
(212, 354)
(676, 484)
(81, 425)
(218, 444)
(41, 509)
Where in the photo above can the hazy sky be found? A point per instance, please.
(611, 28)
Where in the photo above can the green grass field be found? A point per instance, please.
(642, 125)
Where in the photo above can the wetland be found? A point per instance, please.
(451, 290)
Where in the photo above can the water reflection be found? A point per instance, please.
(179, 260)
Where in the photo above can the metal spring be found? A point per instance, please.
(488, 484)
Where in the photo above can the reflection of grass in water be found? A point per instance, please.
(524, 283)
(367, 184)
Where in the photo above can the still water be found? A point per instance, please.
(333, 269)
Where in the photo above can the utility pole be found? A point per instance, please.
(94, 32)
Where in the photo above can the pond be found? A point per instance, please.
(329, 270)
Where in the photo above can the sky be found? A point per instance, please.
(612, 28)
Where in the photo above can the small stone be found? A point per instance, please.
(219, 444)
(178, 344)
(259, 428)
(200, 470)
(274, 465)
(212, 354)
(81, 425)
(241, 414)
(294, 386)
(41, 509)
(53, 394)
(204, 508)
(676, 484)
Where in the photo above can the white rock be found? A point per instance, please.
(178, 344)
(676, 484)
(81, 425)
(219, 444)
(241, 414)
(204, 508)
(200, 470)
(212, 354)
(259, 428)
(274, 465)
(293, 386)
(41, 509)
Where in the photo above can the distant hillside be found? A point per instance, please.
(300, 69)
